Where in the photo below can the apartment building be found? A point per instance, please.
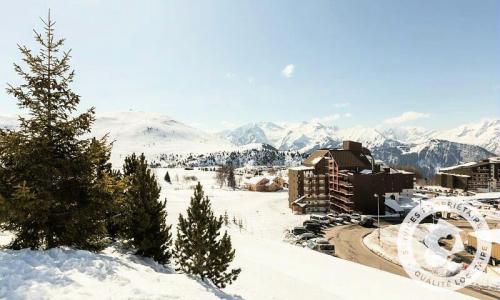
(481, 176)
(343, 180)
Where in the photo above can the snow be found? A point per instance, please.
(73, 274)
(492, 235)
(271, 268)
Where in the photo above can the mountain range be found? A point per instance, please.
(158, 135)
(308, 136)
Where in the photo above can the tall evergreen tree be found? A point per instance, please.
(53, 181)
(167, 178)
(199, 249)
(146, 218)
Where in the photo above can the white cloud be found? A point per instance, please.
(230, 75)
(288, 71)
(326, 120)
(341, 104)
(250, 80)
(347, 115)
(406, 116)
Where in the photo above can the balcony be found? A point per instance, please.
(346, 208)
(345, 184)
(344, 199)
(345, 192)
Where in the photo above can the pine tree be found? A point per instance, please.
(226, 218)
(231, 180)
(167, 177)
(53, 181)
(146, 216)
(198, 249)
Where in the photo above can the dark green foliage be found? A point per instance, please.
(167, 178)
(199, 249)
(231, 180)
(54, 183)
(146, 215)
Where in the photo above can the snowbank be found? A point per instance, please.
(73, 274)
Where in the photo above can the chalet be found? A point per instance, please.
(264, 183)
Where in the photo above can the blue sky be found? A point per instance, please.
(222, 63)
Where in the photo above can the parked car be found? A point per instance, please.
(321, 246)
(345, 217)
(355, 216)
(366, 222)
(306, 236)
(338, 220)
(319, 240)
(299, 230)
(332, 216)
(310, 222)
(320, 219)
(315, 228)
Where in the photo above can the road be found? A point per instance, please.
(348, 243)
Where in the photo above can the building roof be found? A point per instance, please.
(490, 160)
(315, 157)
(301, 168)
(257, 180)
(350, 159)
(456, 175)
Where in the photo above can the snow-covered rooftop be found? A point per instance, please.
(492, 235)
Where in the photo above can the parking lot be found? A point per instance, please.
(312, 233)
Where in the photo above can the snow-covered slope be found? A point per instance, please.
(154, 134)
(485, 133)
(308, 136)
(429, 156)
(404, 134)
(271, 268)
(262, 132)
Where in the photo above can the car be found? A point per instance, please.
(338, 220)
(310, 222)
(321, 247)
(319, 240)
(366, 222)
(299, 230)
(320, 219)
(315, 228)
(355, 216)
(345, 217)
(306, 236)
(332, 216)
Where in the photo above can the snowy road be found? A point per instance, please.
(348, 241)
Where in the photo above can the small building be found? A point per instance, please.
(264, 183)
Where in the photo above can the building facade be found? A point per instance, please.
(481, 176)
(343, 180)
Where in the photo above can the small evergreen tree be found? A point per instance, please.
(146, 216)
(226, 218)
(198, 249)
(167, 178)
